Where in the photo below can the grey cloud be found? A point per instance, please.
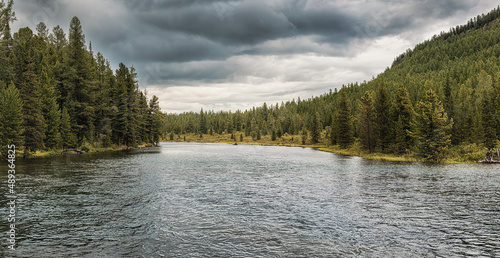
(196, 42)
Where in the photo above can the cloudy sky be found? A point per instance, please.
(229, 55)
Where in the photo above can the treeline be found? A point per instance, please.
(443, 93)
(55, 93)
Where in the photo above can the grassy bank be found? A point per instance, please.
(85, 149)
(464, 154)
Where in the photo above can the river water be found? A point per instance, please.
(220, 200)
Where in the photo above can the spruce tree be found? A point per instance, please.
(366, 121)
(403, 115)
(382, 119)
(11, 118)
(432, 128)
(315, 128)
(7, 15)
(304, 135)
(203, 123)
(24, 60)
(67, 136)
(155, 129)
(50, 111)
(76, 79)
(344, 124)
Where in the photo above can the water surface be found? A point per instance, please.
(219, 200)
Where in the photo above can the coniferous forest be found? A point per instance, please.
(438, 101)
(56, 93)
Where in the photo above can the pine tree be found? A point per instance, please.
(304, 135)
(24, 58)
(42, 31)
(403, 115)
(76, 79)
(253, 129)
(382, 119)
(365, 119)
(315, 128)
(120, 96)
(343, 119)
(432, 128)
(203, 122)
(11, 118)
(156, 118)
(50, 111)
(67, 136)
(7, 15)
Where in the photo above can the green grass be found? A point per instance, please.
(463, 154)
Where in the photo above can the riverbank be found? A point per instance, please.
(80, 151)
(463, 154)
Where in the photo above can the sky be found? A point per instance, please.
(230, 55)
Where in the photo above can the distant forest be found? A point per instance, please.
(444, 94)
(56, 93)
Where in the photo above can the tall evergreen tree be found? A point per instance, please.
(382, 118)
(50, 110)
(316, 128)
(76, 78)
(203, 122)
(403, 115)
(24, 58)
(344, 121)
(7, 15)
(120, 95)
(11, 118)
(432, 128)
(155, 129)
(68, 138)
(365, 119)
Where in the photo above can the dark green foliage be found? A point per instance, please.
(432, 128)
(11, 118)
(203, 123)
(67, 136)
(382, 119)
(155, 122)
(304, 135)
(366, 121)
(316, 128)
(403, 115)
(24, 61)
(343, 122)
(68, 98)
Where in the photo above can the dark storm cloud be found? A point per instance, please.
(219, 29)
(246, 23)
(273, 47)
(186, 30)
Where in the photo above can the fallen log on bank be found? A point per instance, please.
(491, 157)
(72, 150)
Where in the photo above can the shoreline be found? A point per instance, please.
(292, 141)
(61, 152)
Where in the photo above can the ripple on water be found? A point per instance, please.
(216, 200)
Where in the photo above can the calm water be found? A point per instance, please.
(216, 200)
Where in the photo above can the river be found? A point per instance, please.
(221, 200)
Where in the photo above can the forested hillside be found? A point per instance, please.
(443, 94)
(56, 93)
